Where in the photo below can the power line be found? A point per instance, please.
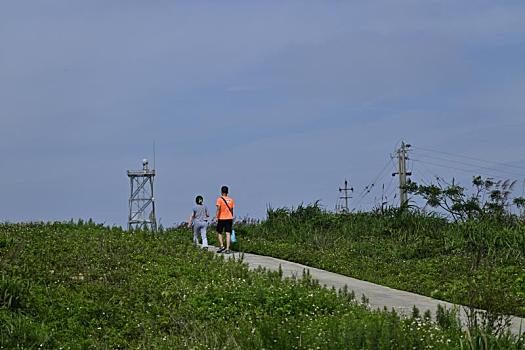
(386, 193)
(471, 158)
(391, 178)
(471, 171)
(367, 189)
(371, 187)
(422, 169)
(476, 166)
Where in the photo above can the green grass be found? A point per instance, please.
(83, 286)
(402, 250)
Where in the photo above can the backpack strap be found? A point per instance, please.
(231, 210)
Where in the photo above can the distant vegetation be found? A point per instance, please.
(78, 285)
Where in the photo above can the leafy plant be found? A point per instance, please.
(489, 199)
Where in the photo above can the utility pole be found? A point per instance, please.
(345, 197)
(402, 156)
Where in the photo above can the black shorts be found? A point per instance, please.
(224, 225)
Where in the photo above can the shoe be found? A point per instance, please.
(220, 250)
(227, 251)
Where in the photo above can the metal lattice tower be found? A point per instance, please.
(141, 200)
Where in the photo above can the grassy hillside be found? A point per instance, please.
(85, 286)
(479, 263)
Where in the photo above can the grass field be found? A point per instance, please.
(478, 263)
(84, 286)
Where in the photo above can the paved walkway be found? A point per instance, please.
(379, 296)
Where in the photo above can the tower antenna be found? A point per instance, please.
(154, 158)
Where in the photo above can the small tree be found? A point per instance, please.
(479, 214)
(489, 199)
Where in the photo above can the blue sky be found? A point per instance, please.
(279, 100)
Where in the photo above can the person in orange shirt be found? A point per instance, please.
(225, 206)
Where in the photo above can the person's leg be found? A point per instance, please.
(228, 229)
(221, 249)
(203, 235)
(195, 233)
(220, 227)
(228, 240)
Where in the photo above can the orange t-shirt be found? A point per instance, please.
(224, 212)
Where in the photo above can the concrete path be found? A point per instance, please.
(379, 296)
